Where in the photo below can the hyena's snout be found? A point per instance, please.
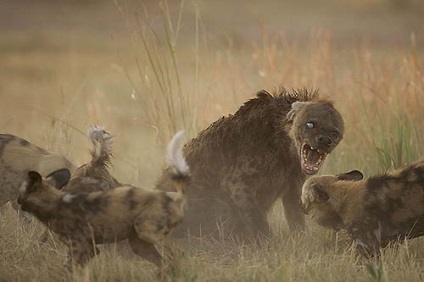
(325, 140)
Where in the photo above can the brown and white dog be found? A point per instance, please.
(83, 220)
(374, 211)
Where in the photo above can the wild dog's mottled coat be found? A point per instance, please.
(142, 216)
(374, 211)
(243, 163)
(17, 157)
(93, 176)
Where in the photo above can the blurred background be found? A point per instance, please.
(145, 69)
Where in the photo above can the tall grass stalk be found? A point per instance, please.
(168, 103)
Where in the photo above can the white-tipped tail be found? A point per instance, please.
(102, 141)
(174, 155)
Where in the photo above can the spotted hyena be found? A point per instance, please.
(82, 220)
(242, 163)
(17, 157)
(374, 211)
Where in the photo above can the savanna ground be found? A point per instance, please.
(147, 69)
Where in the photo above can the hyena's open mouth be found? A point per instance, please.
(311, 159)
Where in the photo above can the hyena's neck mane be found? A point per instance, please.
(267, 107)
(259, 123)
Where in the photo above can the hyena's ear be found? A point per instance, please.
(354, 175)
(264, 94)
(33, 181)
(319, 195)
(295, 109)
(59, 178)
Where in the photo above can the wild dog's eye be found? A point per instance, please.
(309, 125)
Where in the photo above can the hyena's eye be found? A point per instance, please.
(309, 125)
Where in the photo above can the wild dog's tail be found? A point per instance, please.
(102, 146)
(180, 171)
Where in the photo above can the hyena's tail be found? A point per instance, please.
(102, 146)
(180, 171)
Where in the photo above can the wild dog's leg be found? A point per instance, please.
(292, 206)
(3, 201)
(253, 217)
(22, 215)
(145, 249)
(80, 252)
(43, 237)
(367, 238)
(152, 227)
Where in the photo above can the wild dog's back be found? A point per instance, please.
(397, 200)
(374, 211)
(114, 213)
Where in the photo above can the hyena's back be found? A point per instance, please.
(17, 157)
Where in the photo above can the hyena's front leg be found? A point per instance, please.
(292, 206)
(249, 212)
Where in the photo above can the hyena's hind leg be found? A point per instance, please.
(252, 220)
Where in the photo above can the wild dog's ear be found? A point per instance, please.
(59, 178)
(354, 175)
(318, 194)
(295, 109)
(33, 181)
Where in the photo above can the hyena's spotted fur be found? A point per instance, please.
(142, 216)
(374, 211)
(17, 157)
(243, 163)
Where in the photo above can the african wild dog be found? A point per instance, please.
(81, 221)
(17, 157)
(374, 211)
(243, 163)
(93, 176)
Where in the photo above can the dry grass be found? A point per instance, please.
(166, 72)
